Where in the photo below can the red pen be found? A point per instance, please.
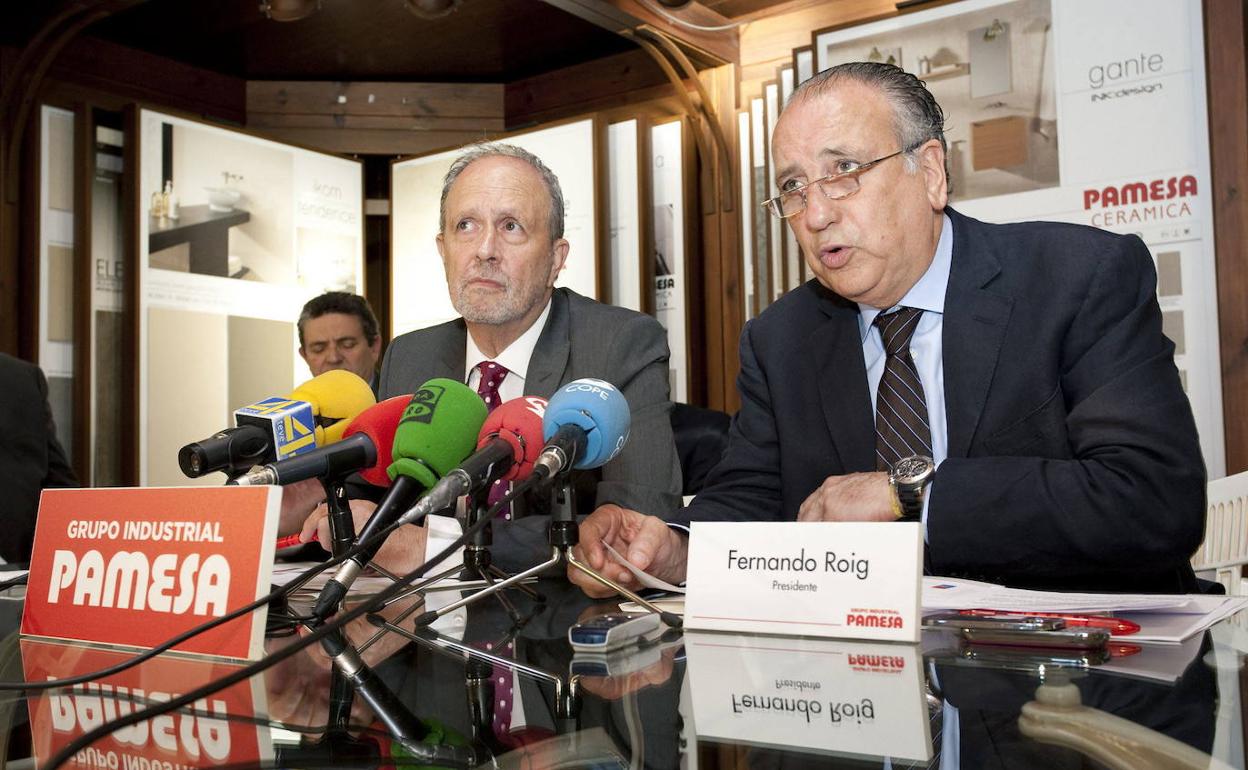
(289, 541)
(1115, 626)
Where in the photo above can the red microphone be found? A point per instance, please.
(379, 423)
(517, 422)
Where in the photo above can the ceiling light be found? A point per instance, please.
(289, 10)
(431, 9)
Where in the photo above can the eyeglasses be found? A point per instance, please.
(835, 186)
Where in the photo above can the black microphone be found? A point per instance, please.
(230, 450)
(328, 462)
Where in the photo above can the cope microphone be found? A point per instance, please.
(314, 414)
(507, 447)
(437, 431)
(586, 425)
(365, 447)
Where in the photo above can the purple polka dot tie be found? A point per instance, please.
(504, 697)
(492, 375)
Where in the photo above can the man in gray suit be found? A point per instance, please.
(502, 246)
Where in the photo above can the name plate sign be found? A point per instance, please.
(838, 579)
(862, 699)
(134, 567)
(221, 731)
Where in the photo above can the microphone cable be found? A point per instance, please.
(342, 619)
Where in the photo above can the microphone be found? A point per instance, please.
(365, 447)
(229, 450)
(436, 433)
(313, 414)
(506, 449)
(586, 425)
(337, 397)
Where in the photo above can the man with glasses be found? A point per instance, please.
(1008, 386)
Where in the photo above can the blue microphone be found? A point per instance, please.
(586, 425)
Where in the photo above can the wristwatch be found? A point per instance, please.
(909, 478)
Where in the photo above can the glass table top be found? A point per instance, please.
(497, 684)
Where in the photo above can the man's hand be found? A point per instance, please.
(298, 501)
(403, 551)
(852, 497)
(646, 541)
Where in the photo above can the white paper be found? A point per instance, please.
(942, 593)
(649, 581)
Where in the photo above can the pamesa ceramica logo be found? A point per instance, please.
(1121, 78)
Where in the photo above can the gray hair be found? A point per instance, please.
(475, 152)
(917, 117)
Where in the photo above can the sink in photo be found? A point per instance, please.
(223, 198)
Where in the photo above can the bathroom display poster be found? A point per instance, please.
(667, 184)
(236, 233)
(1091, 113)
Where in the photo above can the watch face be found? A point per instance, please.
(911, 470)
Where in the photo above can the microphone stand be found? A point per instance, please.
(477, 569)
(341, 524)
(563, 534)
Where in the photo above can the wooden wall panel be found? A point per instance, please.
(144, 77)
(1228, 148)
(768, 43)
(595, 86)
(371, 118)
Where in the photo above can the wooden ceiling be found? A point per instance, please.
(481, 41)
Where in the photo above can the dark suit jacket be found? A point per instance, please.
(582, 338)
(1073, 455)
(30, 456)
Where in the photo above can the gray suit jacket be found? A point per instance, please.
(582, 338)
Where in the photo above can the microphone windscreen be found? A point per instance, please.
(519, 423)
(596, 407)
(379, 422)
(438, 430)
(336, 396)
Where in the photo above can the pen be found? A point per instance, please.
(288, 541)
(1115, 626)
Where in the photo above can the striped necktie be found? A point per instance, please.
(901, 426)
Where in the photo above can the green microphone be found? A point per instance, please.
(437, 431)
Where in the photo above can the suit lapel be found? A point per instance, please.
(842, 377)
(550, 356)
(975, 321)
(452, 351)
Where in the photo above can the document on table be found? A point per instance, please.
(1165, 618)
(941, 593)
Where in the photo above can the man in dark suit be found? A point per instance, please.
(1007, 385)
(502, 247)
(31, 459)
(338, 330)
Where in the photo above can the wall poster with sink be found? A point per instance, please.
(235, 234)
(1091, 113)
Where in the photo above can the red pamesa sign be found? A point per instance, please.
(134, 567)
